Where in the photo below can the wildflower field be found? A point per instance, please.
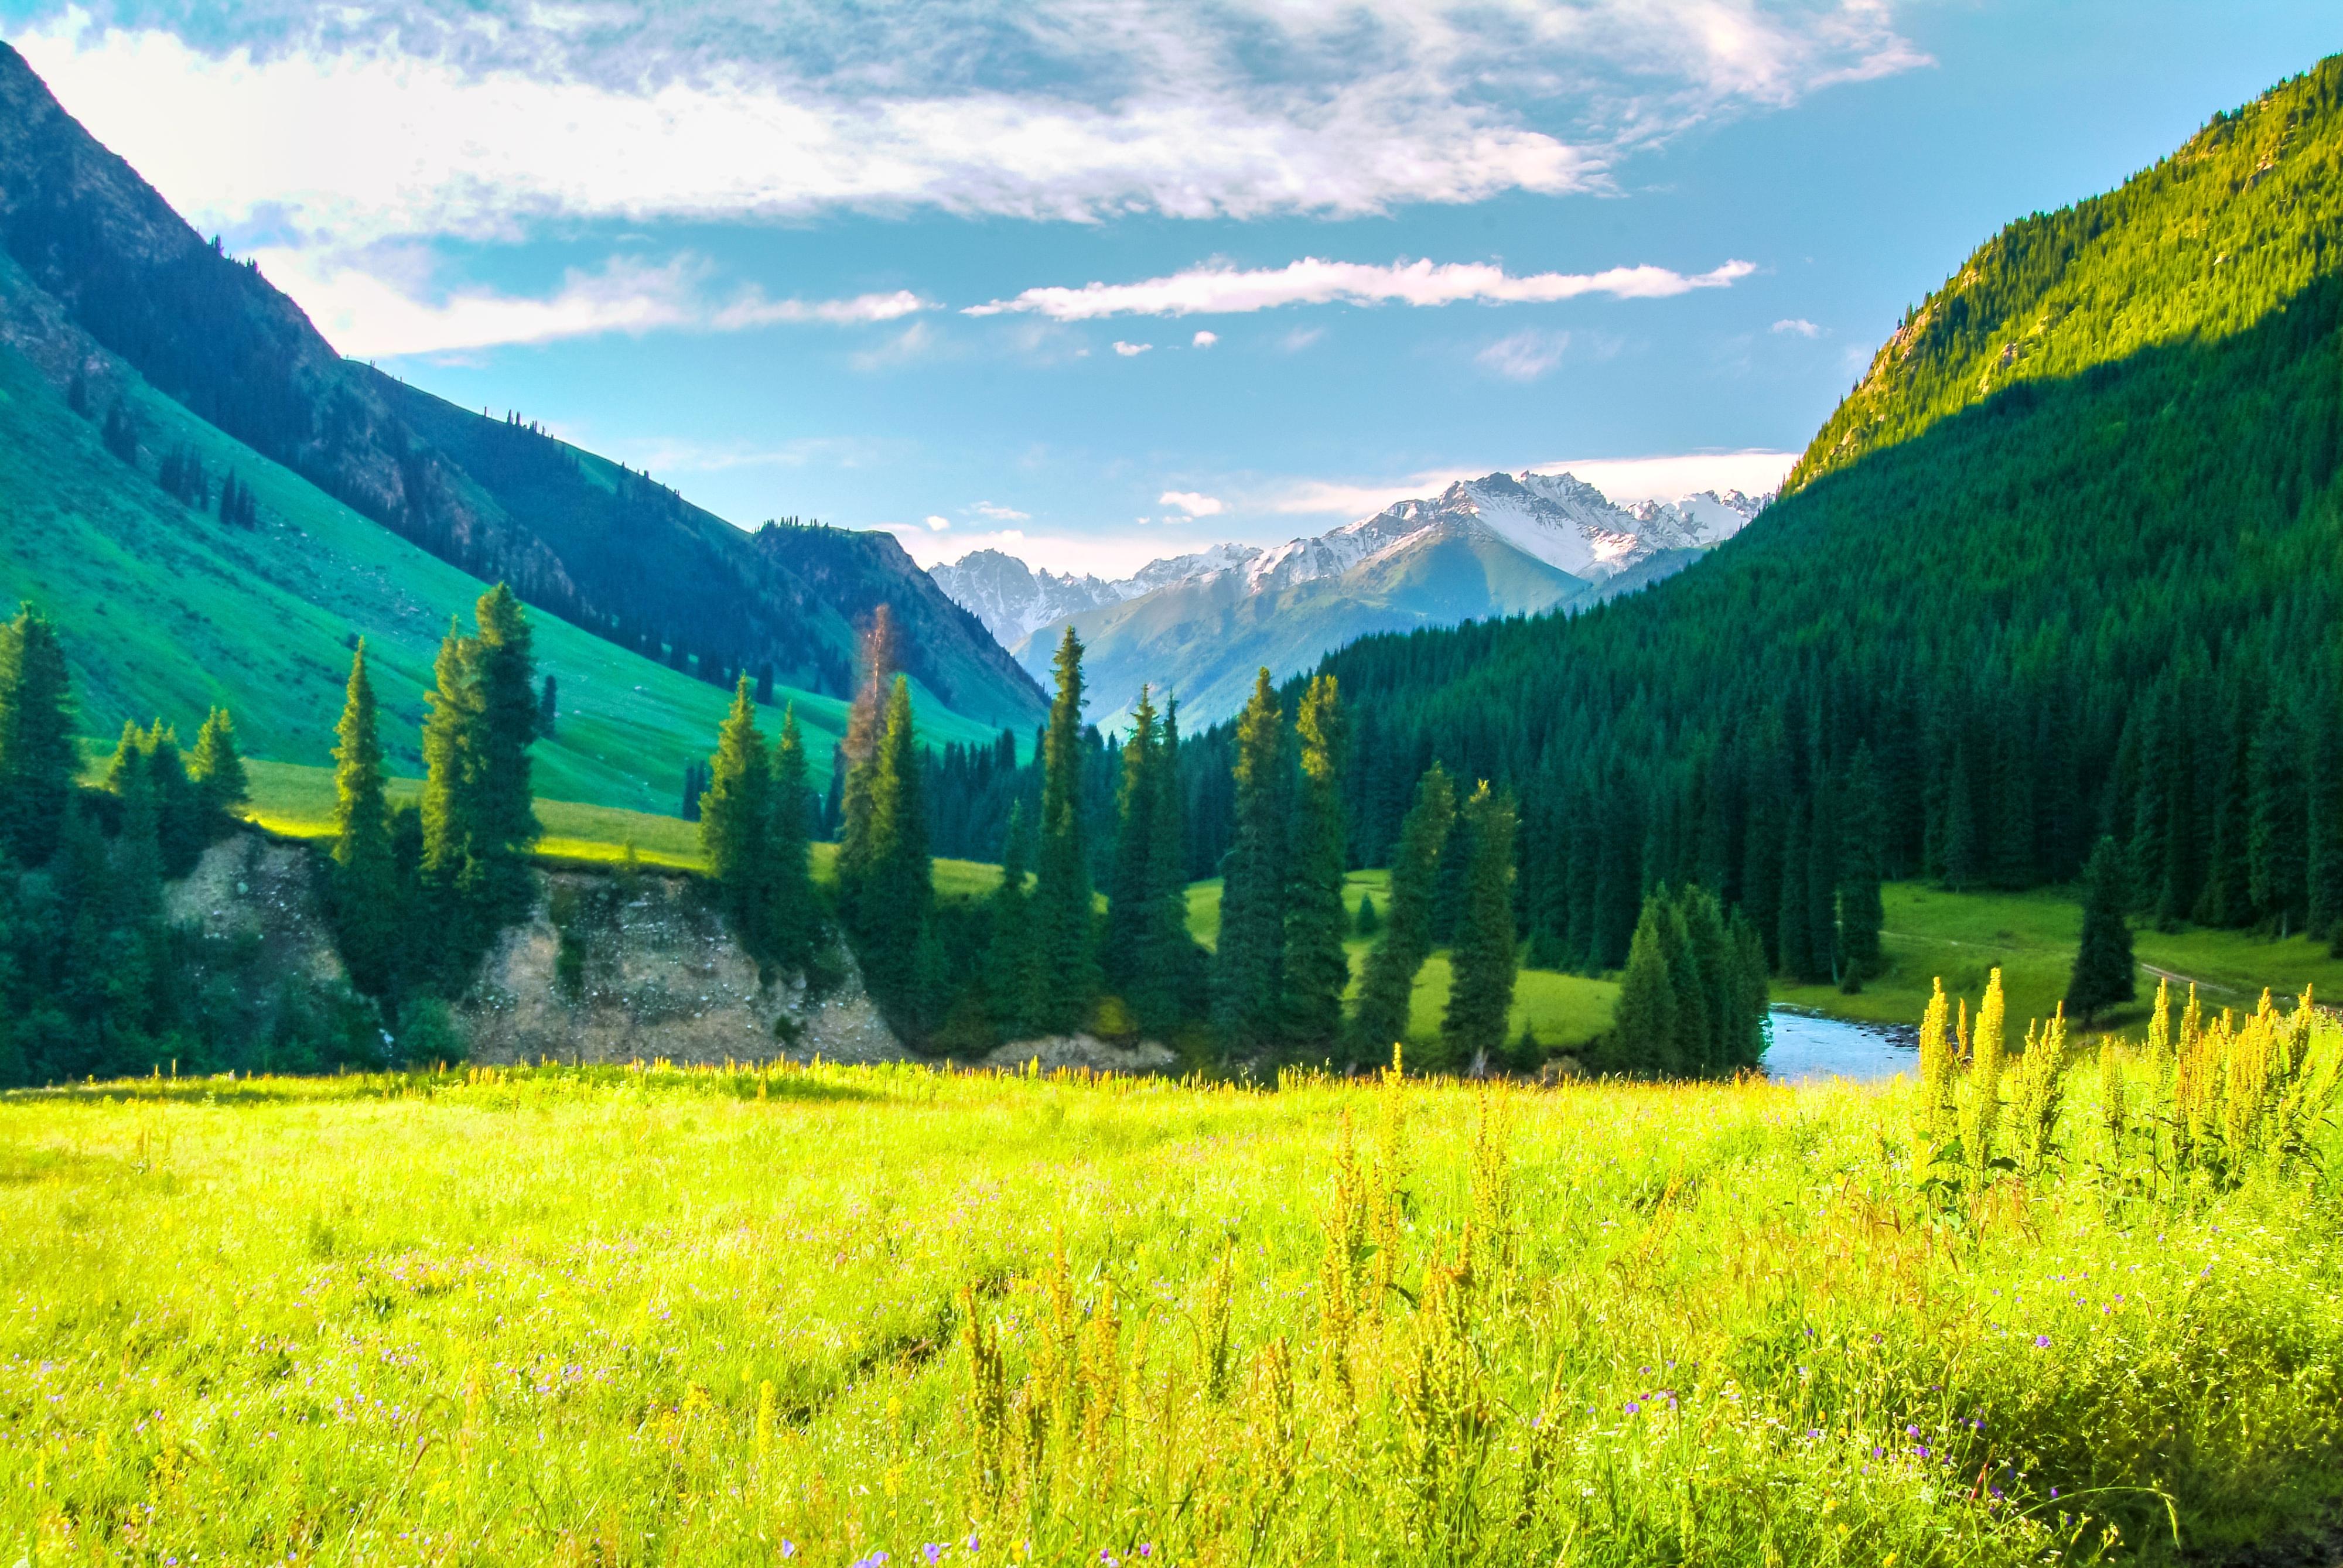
(903, 1316)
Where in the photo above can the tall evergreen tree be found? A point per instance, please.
(1860, 911)
(853, 776)
(793, 913)
(2277, 843)
(548, 708)
(507, 810)
(2103, 973)
(1643, 1039)
(1317, 969)
(1823, 827)
(1388, 986)
(1064, 922)
(1795, 930)
(1693, 1021)
(369, 908)
(1484, 960)
(1130, 883)
(1247, 967)
(1163, 992)
(2323, 819)
(1709, 948)
(217, 770)
(736, 824)
(452, 725)
(38, 759)
(899, 885)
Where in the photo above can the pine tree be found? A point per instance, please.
(1012, 977)
(1251, 957)
(548, 708)
(1860, 911)
(1963, 846)
(1643, 1038)
(38, 759)
(1130, 882)
(1689, 1054)
(2103, 960)
(2277, 848)
(1751, 1029)
(1317, 969)
(1064, 922)
(856, 752)
(1794, 931)
(1822, 878)
(1389, 984)
(793, 914)
(1484, 960)
(367, 909)
(1163, 993)
(898, 884)
(1709, 946)
(217, 770)
(1368, 923)
(736, 822)
(507, 815)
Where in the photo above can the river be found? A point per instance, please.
(1809, 1048)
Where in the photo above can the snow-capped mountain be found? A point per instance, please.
(1200, 625)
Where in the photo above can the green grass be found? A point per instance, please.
(616, 1316)
(168, 612)
(295, 801)
(2031, 937)
(1565, 1011)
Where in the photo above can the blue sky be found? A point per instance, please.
(837, 262)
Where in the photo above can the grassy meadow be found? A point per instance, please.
(840, 1316)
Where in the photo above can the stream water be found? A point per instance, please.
(1809, 1048)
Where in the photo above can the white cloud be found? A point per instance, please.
(1525, 356)
(1000, 513)
(1798, 325)
(1299, 338)
(1225, 290)
(937, 525)
(1193, 503)
(384, 308)
(912, 343)
(1622, 479)
(484, 124)
(1131, 350)
(1206, 340)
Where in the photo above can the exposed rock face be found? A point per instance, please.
(603, 972)
(1144, 1056)
(251, 886)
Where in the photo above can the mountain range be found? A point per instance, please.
(1200, 625)
(141, 366)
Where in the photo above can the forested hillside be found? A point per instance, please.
(2064, 566)
(110, 290)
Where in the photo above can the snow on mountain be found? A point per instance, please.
(1536, 541)
(1014, 600)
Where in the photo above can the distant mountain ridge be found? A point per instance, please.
(107, 278)
(1199, 625)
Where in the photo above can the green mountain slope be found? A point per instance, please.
(1996, 618)
(112, 292)
(167, 610)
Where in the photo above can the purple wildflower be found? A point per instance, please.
(931, 1552)
(2042, 1342)
(1632, 1407)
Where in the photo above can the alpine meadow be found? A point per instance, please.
(1733, 1007)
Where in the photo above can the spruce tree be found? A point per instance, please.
(1860, 911)
(1822, 879)
(548, 708)
(38, 759)
(1709, 948)
(736, 822)
(857, 751)
(1250, 959)
(1643, 1038)
(1064, 922)
(899, 885)
(507, 815)
(1693, 1022)
(2103, 960)
(217, 770)
(1130, 885)
(1484, 962)
(2277, 847)
(1368, 923)
(452, 723)
(1317, 969)
(1794, 930)
(1388, 986)
(793, 914)
(1163, 992)
(364, 885)
(1751, 1027)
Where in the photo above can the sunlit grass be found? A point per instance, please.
(652, 1316)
